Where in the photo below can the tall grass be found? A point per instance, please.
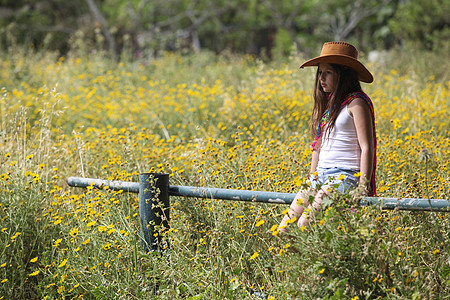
(218, 121)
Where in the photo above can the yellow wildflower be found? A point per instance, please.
(34, 273)
(63, 263)
(57, 242)
(74, 231)
(259, 223)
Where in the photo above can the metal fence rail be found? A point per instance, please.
(154, 191)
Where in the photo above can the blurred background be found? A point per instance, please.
(269, 29)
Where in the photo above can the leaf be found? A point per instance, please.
(446, 271)
(326, 202)
(364, 231)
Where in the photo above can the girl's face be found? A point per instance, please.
(327, 77)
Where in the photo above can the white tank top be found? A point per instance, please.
(340, 147)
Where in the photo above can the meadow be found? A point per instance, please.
(216, 121)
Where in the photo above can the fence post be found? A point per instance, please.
(154, 209)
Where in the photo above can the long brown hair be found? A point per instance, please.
(346, 81)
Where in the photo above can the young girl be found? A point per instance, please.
(343, 123)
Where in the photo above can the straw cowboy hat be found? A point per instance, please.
(341, 53)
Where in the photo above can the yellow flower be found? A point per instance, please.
(30, 156)
(61, 289)
(15, 235)
(321, 271)
(34, 273)
(259, 223)
(341, 177)
(255, 255)
(63, 263)
(74, 231)
(34, 259)
(436, 251)
(57, 242)
(291, 220)
(87, 241)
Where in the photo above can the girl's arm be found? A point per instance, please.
(362, 116)
(315, 155)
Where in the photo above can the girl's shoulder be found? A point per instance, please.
(349, 97)
(359, 106)
(357, 101)
(358, 98)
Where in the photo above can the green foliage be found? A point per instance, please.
(370, 253)
(283, 45)
(24, 235)
(141, 28)
(422, 22)
(40, 24)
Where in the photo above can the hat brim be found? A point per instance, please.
(364, 75)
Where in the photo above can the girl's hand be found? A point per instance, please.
(359, 192)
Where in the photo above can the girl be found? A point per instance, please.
(343, 123)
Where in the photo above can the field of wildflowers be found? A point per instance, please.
(214, 121)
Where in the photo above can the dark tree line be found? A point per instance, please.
(262, 27)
